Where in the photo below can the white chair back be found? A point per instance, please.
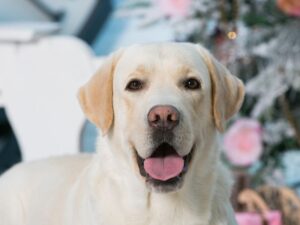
(38, 84)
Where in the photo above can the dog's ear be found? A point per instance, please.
(227, 90)
(96, 96)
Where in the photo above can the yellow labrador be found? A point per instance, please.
(160, 108)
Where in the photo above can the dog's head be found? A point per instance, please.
(164, 101)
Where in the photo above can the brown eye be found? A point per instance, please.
(191, 84)
(134, 85)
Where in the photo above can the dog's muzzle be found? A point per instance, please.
(165, 167)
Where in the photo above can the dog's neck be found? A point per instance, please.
(130, 194)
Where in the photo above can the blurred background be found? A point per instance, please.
(48, 48)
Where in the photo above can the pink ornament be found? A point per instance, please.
(248, 219)
(290, 7)
(243, 142)
(174, 8)
(272, 218)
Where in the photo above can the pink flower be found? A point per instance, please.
(290, 7)
(174, 8)
(243, 142)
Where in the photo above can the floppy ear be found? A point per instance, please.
(227, 90)
(96, 96)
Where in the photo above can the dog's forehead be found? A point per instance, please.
(162, 56)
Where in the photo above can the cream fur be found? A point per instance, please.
(106, 188)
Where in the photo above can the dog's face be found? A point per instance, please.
(161, 101)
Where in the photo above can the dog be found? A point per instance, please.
(160, 108)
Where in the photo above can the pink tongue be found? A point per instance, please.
(164, 168)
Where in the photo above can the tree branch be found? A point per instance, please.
(290, 116)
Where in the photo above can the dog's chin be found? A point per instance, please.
(164, 185)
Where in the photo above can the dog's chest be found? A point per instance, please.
(169, 210)
(145, 217)
(159, 211)
(171, 218)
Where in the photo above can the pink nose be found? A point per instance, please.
(163, 117)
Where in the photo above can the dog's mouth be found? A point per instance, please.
(164, 170)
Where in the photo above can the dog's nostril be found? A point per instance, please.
(172, 117)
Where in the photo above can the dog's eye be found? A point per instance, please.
(134, 85)
(191, 84)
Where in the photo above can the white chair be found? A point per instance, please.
(39, 81)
